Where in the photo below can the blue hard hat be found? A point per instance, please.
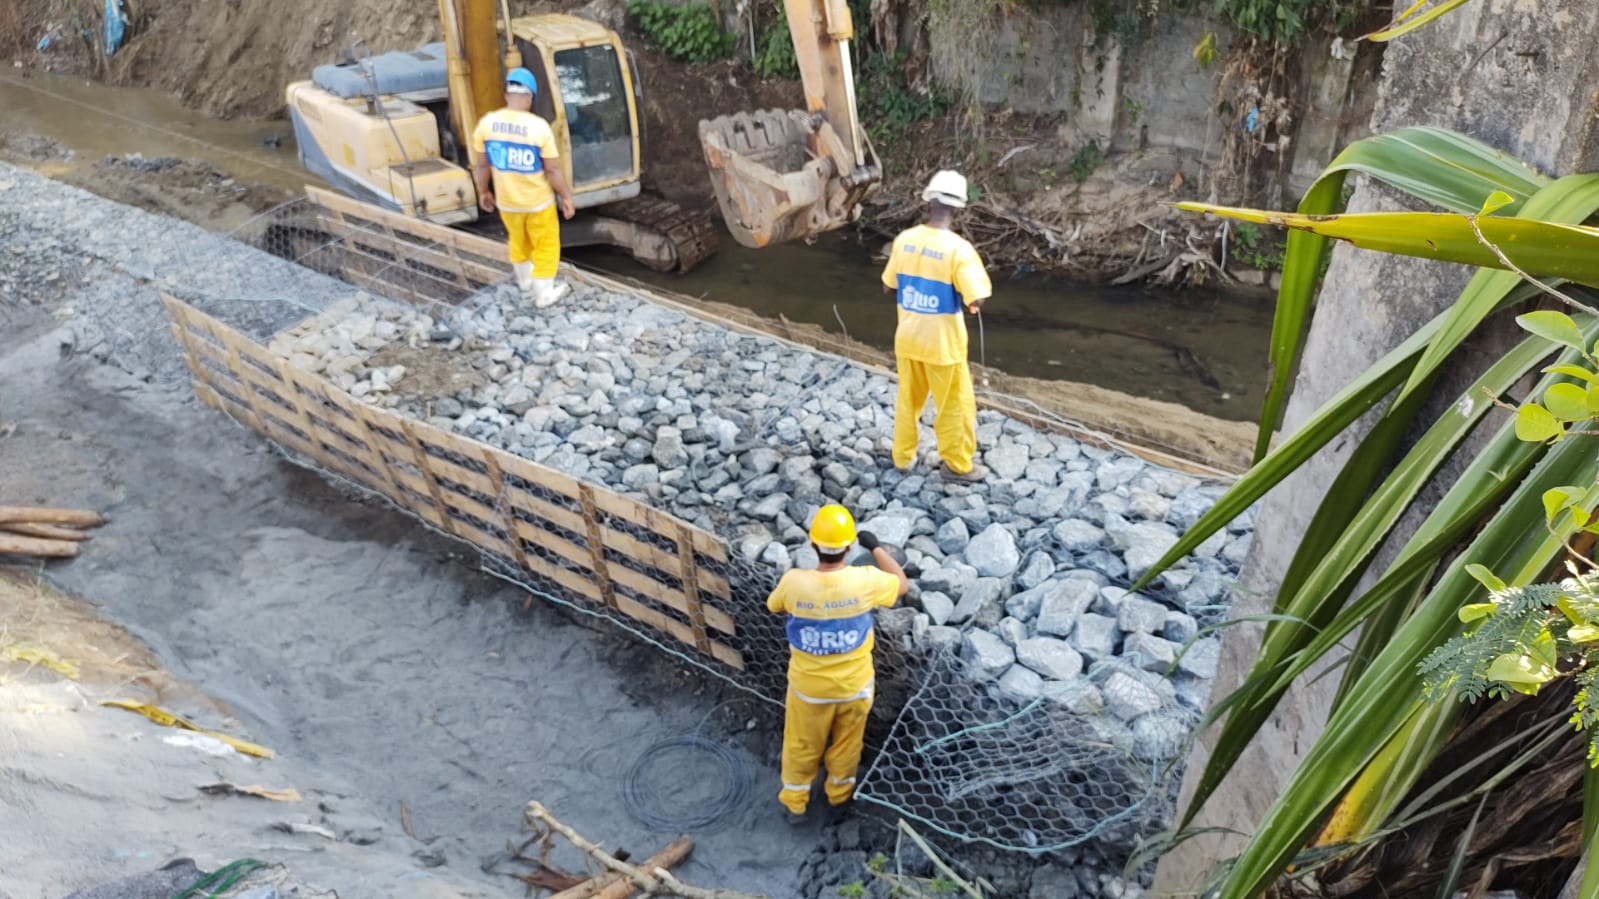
(523, 77)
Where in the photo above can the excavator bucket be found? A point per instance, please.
(776, 175)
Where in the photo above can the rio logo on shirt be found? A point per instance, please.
(829, 636)
(924, 295)
(519, 158)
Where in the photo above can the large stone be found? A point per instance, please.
(938, 606)
(1025, 605)
(769, 508)
(1179, 627)
(1105, 563)
(1201, 658)
(1036, 570)
(1128, 698)
(1149, 653)
(761, 460)
(893, 528)
(989, 655)
(1159, 736)
(1187, 508)
(1076, 694)
(1144, 533)
(1078, 536)
(1050, 657)
(940, 638)
(1008, 460)
(1135, 614)
(1055, 882)
(993, 552)
(1011, 630)
(952, 536)
(637, 477)
(776, 555)
(1148, 505)
(894, 625)
(669, 452)
(1021, 684)
(589, 439)
(1094, 636)
(1063, 603)
(982, 596)
(1204, 591)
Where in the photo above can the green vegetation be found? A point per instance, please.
(888, 106)
(687, 32)
(774, 56)
(1085, 161)
(855, 889)
(1254, 247)
(1514, 502)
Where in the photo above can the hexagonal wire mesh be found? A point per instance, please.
(947, 747)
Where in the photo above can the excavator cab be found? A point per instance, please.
(395, 129)
(784, 175)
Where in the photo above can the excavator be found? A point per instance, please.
(391, 129)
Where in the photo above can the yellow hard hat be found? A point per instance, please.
(833, 529)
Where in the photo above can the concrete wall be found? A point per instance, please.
(1151, 94)
(1516, 74)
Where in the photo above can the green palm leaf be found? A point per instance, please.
(1443, 168)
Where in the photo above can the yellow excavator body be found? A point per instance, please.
(395, 129)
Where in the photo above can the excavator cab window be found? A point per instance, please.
(597, 115)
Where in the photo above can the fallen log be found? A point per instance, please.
(37, 546)
(48, 531)
(612, 885)
(653, 882)
(82, 518)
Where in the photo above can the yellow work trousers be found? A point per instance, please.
(535, 238)
(955, 422)
(806, 729)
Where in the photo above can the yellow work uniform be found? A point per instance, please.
(518, 145)
(934, 273)
(830, 675)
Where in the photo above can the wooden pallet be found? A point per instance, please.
(597, 547)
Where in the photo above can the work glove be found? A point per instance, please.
(867, 540)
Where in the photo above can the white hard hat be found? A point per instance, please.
(948, 188)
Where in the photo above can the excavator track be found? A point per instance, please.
(691, 233)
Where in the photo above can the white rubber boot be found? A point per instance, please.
(547, 293)
(524, 277)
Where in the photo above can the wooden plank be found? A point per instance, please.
(672, 627)
(572, 580)
(544, 476)
(673, 598)
(372, 245)
(652, 555)
(461, 240)
(691, 588)
(596, 545)
(542, 508)
(422, 249)
(532, 533)
(650, 519)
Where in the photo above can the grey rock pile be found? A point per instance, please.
(1024, 572)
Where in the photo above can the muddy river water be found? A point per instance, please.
(1203, 348)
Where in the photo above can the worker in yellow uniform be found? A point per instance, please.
(830, 675)
(934, 272)
(520, 149)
